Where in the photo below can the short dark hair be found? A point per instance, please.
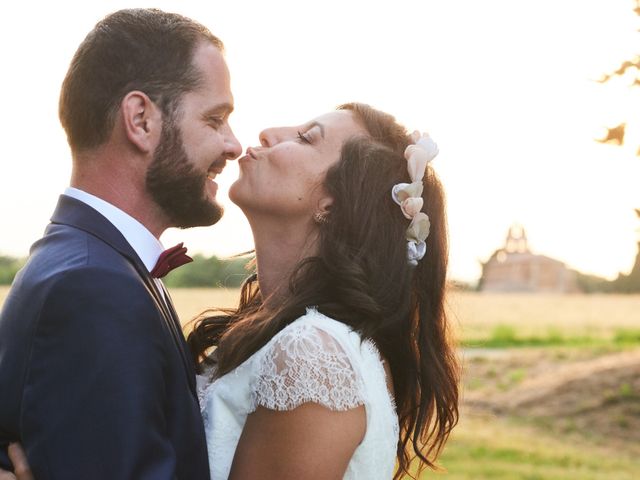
(134, 49)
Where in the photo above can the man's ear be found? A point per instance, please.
(142, 121)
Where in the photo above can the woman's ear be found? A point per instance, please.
(322, 214)
(324, 205)
(142, 121)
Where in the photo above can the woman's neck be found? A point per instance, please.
(280, 247)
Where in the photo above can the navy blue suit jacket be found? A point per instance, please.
(95, 376)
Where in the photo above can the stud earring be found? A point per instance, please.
(320, 218)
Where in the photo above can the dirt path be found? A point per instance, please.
(597, 397)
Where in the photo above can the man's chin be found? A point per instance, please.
(203, 218)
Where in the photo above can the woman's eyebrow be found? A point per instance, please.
(316, 124)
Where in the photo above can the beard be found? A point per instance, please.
(176, 186)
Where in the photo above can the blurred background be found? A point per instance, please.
(535, 108)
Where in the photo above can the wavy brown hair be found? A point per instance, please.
(361, 277)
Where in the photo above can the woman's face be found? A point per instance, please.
(284, 176)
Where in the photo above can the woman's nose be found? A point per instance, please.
(267, 137)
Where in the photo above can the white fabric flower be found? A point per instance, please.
(417, 160)
(411, 207)
(429, 146)
(409, 195)
(415, 252)
(401, 191)
(418, 230)
(418, 155)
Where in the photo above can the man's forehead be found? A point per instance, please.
(214, 87)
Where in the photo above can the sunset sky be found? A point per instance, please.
(506, 88)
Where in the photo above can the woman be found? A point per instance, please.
(337, 362)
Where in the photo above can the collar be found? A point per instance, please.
(146, 246)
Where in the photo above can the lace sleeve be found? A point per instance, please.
(306, 364)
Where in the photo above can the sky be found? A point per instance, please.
(506, 87)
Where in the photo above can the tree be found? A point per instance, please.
(203, 272)
(616, 135)
(9, 266)
(211, 272)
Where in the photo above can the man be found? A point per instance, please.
(95, 378)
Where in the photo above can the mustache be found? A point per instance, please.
(218, 164)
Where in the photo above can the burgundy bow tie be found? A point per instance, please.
(172, 258)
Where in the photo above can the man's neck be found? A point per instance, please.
(117, 175)
(127, 197)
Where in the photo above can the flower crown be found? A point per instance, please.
(409, 195)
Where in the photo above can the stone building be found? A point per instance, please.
(514, 268)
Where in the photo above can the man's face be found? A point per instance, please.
(195, 144)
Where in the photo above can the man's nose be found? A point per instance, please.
(233, 147)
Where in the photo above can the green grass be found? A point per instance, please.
(627, 336)
(506, 336)
(492, 448)
(503, 320)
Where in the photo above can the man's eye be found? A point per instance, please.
(215, 122)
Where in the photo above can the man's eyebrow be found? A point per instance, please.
(221, 108)
(316, 124)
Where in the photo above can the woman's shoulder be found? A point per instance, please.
(312, 359)
(314, 334)
(316, 322)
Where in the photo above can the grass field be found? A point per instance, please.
(491, 447)
(551, 384)
(528, 319)
(485, 320)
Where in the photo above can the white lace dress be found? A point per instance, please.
(314, 359)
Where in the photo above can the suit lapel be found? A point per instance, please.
(182, 344)
(170, 317)
(77, 214)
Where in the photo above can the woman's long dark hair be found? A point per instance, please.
(361, 277)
